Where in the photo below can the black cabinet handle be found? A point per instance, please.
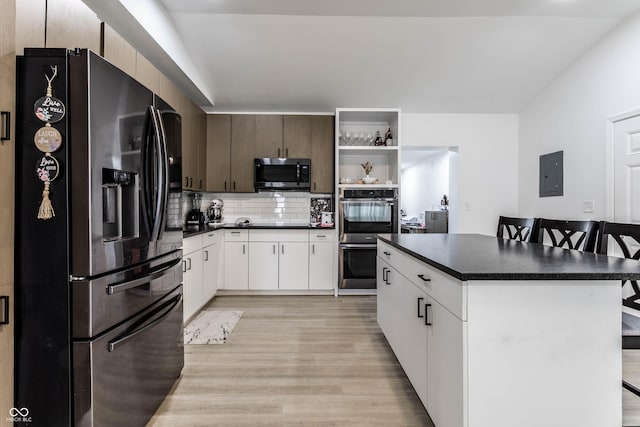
(191, 182)
(206, 255)
(387, 253)
(200, 185)
(384, 272)
(186, 181)
(420, 316)
(234, 186)
(314, 186)
(189, 263)
(426, 314)
(286, 153)
(6, 134)
(424, 279)
(386, 279)
(225, 185)
(5, 320)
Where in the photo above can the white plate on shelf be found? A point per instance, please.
(369, 180)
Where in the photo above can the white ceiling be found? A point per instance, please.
(437, 56)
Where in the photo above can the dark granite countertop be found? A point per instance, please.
(478, 257)
(194, 231)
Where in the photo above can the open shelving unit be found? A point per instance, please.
(385, 159)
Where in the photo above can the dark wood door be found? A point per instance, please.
(297, 136)
(219, 152)
(269, 135)
(243, 139)
(322, 154)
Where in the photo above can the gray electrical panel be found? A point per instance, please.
(551, 174)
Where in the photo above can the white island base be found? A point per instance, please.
(541, 353)
(504, 353)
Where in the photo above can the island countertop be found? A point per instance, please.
(479, 257)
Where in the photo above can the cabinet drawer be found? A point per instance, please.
(448, 291)
(391, 255)
(192, 244)
(279, 236)
(236, 235)
(209, 238)
(322, 236)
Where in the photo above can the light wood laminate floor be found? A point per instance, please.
(294, 361)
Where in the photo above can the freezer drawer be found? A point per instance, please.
(121, 378)
(101, 303)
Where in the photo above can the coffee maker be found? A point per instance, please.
(195, 217)
(215, 211)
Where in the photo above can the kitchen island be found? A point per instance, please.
(494, 332)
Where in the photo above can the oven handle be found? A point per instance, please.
(357, 246)
(381, 201)
(173, 303)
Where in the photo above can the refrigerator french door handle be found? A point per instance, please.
(157, 198)
(147, 322)
(164, 168)
(145, 158)
(159, 271)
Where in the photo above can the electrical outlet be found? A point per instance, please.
(587, 206)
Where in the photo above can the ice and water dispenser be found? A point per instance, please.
(119, 205)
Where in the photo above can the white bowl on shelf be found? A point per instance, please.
(369, 179)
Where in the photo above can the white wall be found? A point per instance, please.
(484, 172)
(571, 115)
(424, 181)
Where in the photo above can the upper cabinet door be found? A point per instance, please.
(297, 137)
(269, 135)
(119, 52)
(70, 23)
(243, 137)
(322, 159)
(219, 152)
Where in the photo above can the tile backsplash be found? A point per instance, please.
(265, 207)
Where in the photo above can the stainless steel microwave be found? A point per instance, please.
(282, 174)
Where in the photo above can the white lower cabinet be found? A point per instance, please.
(402, 312)
(236, 265)
(322, 252)
(445, 367)
(278, 259)
(426, 337)
(293, 266)
(192, 276)
(201, 267)
(211, 269)
(263, 265)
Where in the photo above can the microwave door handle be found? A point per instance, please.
(298, 173)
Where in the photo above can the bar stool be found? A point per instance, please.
(625, 242)
(579, 235)
(517, 228)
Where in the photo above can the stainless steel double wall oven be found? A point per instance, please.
(362, 215)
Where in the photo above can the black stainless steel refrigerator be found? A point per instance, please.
(98, 336)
